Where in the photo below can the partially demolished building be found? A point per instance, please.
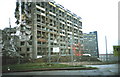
(47, 28)
(9, 42)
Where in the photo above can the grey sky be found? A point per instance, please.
(97, 15)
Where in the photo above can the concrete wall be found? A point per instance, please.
(111, 57)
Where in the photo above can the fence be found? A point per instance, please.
(15, 60)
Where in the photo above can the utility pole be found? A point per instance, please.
(106, 48)
(10, 29)
(9, 23)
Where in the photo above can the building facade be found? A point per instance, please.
(47, 28)
(91, 44)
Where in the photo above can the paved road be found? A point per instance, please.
(111, 69)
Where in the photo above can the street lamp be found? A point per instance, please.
(106, 48)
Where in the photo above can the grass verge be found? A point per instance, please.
(38, 66)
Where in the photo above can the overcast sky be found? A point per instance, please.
(97, 15)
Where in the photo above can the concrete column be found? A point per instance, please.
(34, 32)
(71, 51)
(49, 48)
(118, 58)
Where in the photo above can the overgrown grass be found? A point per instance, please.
(34, 66)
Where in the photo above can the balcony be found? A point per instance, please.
(43, 14)
(69, 32)
(62, 18)
(62, 46)
(52, 4)
(75, 27)
(40, 8)
(69, 21)
(62, 22)
(52, 13)
(69, 25)
(62, 42)
(75, 37)
(62, 34)
(75, 34)
(69, 14)
(68, 35)
(80, 29)
(63, 30)
(53, 32)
